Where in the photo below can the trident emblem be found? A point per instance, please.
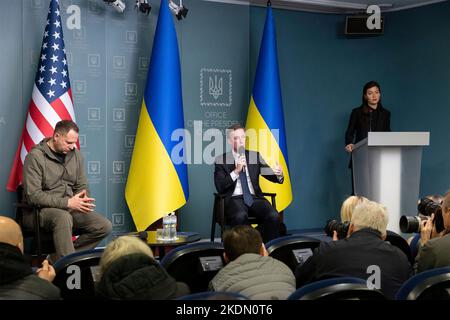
(215, 88)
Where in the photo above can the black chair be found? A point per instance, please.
(77, 273)
(214, 295)
(27, 217)
(398, 241)
(342, 288)
(432, 284)
(195, 264)
(219, 213)
(292, 250)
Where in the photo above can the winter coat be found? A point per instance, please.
(17, 281)
(256, 277)
(138, 277)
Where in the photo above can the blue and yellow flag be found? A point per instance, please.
(265, 115)
(157, 181)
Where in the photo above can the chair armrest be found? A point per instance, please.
(272, 198)
(269, 194)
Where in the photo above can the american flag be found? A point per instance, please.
(51, 99)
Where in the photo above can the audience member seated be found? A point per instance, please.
(347, 208)
(434, 248)
(249, 270)
(414, 239)
(17, 282)
(130, 272)
(363, 248)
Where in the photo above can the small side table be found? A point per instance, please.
(161, 247)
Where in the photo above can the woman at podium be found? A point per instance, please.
(369, 116)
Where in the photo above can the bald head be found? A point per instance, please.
(10, 232)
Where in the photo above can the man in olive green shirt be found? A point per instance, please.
(54, 179)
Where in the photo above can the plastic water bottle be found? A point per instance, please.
(166, 227)
(173, 226)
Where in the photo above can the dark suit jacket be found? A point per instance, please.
(362, 121)
(255, 166)
(434, 254)
(351, 256)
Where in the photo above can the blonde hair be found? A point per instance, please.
(123, 246)
(370, 215)
(349, 205)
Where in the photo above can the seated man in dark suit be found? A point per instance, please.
(363, 254)
(237, 176)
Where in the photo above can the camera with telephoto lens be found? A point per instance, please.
(341, 228)
(426, 208)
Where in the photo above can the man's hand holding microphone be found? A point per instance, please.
(241, 162)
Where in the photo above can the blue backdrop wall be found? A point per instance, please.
(322, 73)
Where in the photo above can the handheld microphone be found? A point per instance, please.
(241, 152)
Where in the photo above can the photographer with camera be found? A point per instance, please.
(434, 248)
(426, 206)
(339, 230)
(364, 247)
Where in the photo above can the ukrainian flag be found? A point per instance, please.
(157, 180)
(265, 115)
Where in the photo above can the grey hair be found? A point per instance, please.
(123, 246)
(370, 214)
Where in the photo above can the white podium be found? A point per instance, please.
(386, 169)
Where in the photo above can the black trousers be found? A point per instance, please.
(237, 213)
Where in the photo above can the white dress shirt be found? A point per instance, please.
(234, 176)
